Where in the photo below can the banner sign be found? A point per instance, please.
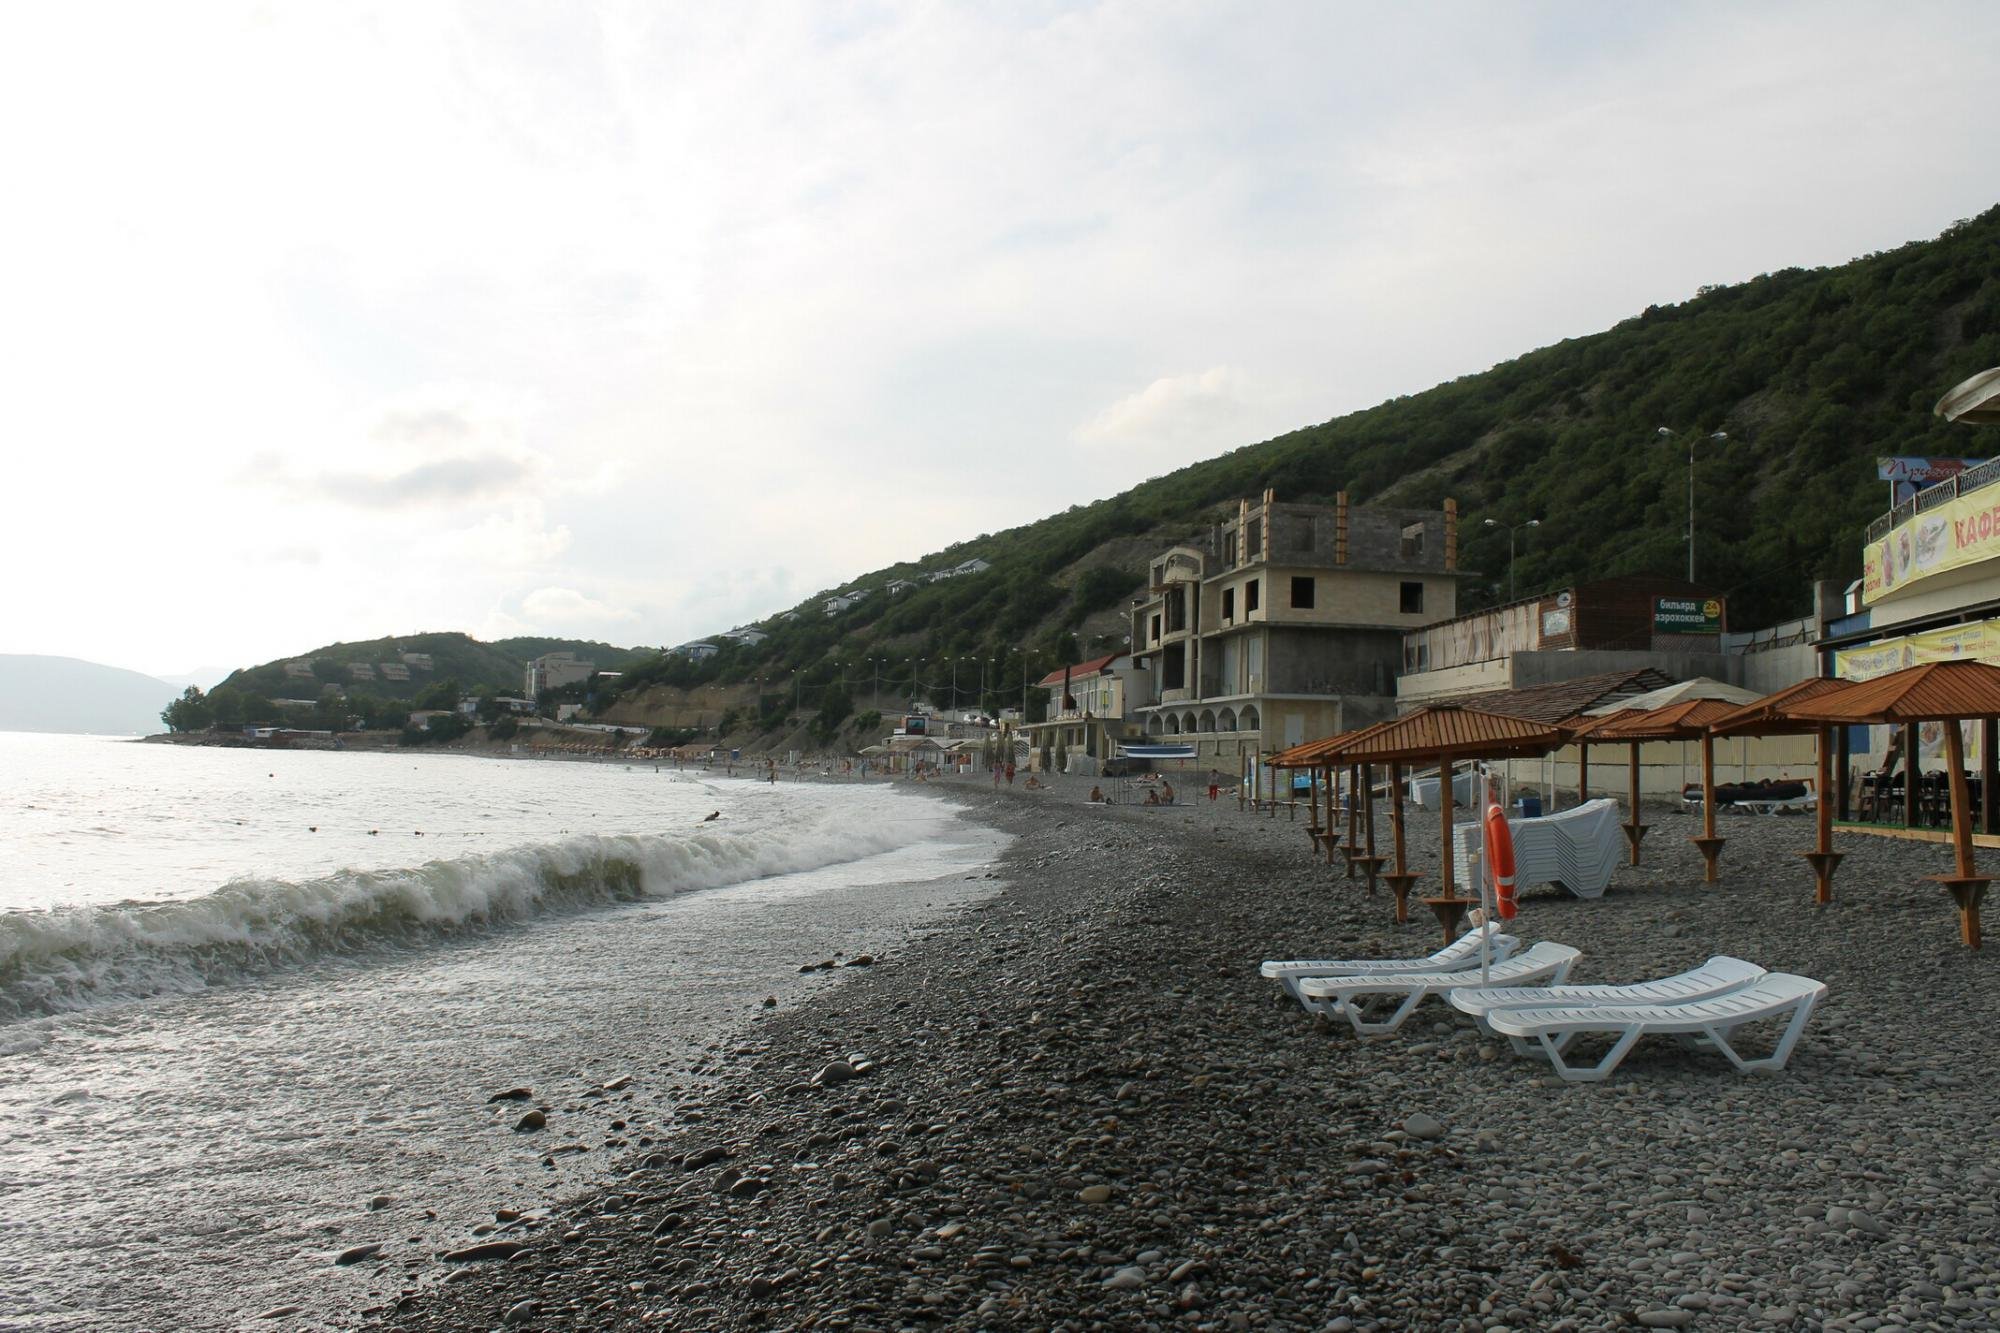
(1960, 532)
(1980, 642)
(1687, 615)
(1906, 476)
(1922, 471)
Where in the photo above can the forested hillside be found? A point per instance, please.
(457, 661)
(1811, 374)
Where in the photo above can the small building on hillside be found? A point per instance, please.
(700, 650)
(552, 671)
(1095, 714)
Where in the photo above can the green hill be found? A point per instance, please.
(479, 668)
(1811, 373)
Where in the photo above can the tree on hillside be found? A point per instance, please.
(190, 712)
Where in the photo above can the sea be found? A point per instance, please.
(254, 1003)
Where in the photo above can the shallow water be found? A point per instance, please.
(197, 1109)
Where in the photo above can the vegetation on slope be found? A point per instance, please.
(1812, 374)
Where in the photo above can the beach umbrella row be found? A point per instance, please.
(1447, 734)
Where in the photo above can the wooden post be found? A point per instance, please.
(1822, 858)
(1370, 862)
(1582, 772)
(1966, 886)
(1635, 830)
(1708, 844)
(1353, 849)
(1989, 775)
(1913, 771)
(1401, 879)
(1844, 757)
(1449, 908)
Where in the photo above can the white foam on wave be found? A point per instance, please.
(64, 959)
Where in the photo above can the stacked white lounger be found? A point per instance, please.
(1461, 954)
(1424, 791)
(1578, 849)
(1355, 997)
(1701, 1007)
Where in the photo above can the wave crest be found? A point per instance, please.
(55, 961)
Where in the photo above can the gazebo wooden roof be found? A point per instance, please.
(1770, 715)
(1313, 754)
(1684, 721)
(1928, 692)
(1464, 733)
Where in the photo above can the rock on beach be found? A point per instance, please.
(1090, 1111)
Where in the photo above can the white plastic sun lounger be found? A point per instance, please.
(1354, 996)
(1702, 1024)
(1718, 976)
(1460, 954)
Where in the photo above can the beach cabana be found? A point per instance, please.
(1948, 692)
(1768, 717)
(1445, 734)
(1684, 721)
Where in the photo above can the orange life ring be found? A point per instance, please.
(1500, 859)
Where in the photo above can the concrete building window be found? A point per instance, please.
(1228, 605)
(1156, 630)
(1254, 547)
(1413, 540)
(1413, 599)
(1302, 593)
(1176, 610)
(1250, 596)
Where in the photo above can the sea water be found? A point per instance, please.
(247, 994)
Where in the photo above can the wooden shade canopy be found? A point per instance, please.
(1768, 716)
(1445, 733)
(1951, 692)
(1685, 720)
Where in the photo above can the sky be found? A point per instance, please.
(637, 322)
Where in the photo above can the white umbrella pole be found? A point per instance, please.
(1486, 904)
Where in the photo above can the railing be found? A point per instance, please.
(1972, 479)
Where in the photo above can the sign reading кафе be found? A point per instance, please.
(1687, 615)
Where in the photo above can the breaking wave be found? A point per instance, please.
(66, 959)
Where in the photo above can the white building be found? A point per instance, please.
(552, 671)
(698, 651)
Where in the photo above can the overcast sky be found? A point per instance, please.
(639, 321)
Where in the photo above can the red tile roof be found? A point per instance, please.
(1081, 669)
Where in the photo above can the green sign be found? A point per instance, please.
(1687, 615)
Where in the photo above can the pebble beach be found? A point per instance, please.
(1076, 1105)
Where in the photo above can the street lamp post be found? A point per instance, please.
(1717, 436)
(1512, 528)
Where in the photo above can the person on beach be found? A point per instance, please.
(1032, 784)
(1214, 785)
(1097, 795)
(1152, 798)
(997, 770)
(771, 771)
(1166, 793)
(1010, 772)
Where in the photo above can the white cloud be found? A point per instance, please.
(566, 610)
(555, 304)
(1205, 412)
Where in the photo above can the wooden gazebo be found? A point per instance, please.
(1768, 716)
(1948, 692)
(1684, 721)
(1444, 734)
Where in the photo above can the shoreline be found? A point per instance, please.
(1080, 1106)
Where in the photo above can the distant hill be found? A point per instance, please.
(403, 666)
(68, 694)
